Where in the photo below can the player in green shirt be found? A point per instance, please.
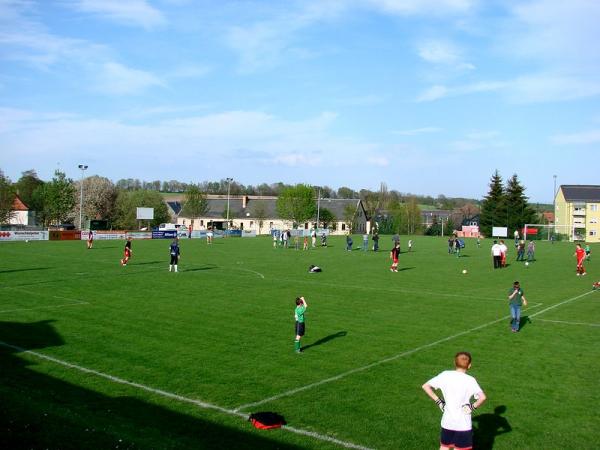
(516, 298)
(299, 316)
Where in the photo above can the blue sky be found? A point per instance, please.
(428, 96)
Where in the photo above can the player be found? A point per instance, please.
(580, 255)
(410, 245)
(516, 298)
(90, 240)
(588, 252)
(305, 246)
(504, 252)
(457, 388)
(301, 306)
(127, 252)
(497, 255)
(175, 254)
(209, 235)
(394, 254)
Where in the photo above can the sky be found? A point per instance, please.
(427, 96)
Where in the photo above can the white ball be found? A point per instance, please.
(526, 263)
(26, 241)
(464, 270)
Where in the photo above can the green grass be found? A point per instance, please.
(221, 332)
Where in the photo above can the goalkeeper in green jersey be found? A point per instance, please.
(300, 325)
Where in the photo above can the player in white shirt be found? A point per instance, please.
(458, 390)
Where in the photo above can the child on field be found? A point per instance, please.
(458, 389)
(300, 326)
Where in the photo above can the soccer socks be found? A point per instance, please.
(170, 267)
(175, 267)
(297, 345)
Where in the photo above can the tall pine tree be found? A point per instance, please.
(493, 207)
(518, 210)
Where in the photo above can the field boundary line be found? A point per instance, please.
(180, 398)
(565, 322)
(373, 364)
(44, 307)
(564, 302)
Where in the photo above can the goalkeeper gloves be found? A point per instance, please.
(441, 404)
(468, 408)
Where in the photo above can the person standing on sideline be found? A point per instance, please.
(516, 238)
(190, 231)
(348, 242)
(588, 252)
(365, 245)
(90, 241)
(394, 254)
(478, 241)
(300, 325)
(175, 254)
(450, 245)
(458, 389)
(127, 252)
(375, 241)
(410, 245)
(530, 251)
(313, 238)
(580, 255)
(503, 253)
(516, 298)
(497, 255)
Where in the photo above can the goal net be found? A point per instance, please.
(549, 232)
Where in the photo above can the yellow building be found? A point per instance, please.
(577, 212)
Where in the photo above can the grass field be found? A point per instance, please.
(95, 355)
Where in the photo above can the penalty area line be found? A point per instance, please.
(177, 397)
(44, 307)
(564, 322)
(373, 364)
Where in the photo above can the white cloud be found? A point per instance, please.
(581, 138)
(117, 79)
(414, 7)
(125, 12)
(416, 131)
(438, 91)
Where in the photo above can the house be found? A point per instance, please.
(259, 213)
(577, 212)
(21, 215)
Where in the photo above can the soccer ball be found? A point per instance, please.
(26, 241)
(464, 271)
(526, 263)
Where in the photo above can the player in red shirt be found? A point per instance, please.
(580, 254)
(126, 252)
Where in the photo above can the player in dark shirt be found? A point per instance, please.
(175, 254)
(394, 256)
(90, 241)
(126, 252)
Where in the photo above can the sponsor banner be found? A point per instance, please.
(234, 233)
(56, 235)
(167, 234)
(24, 236)
(117, 235)
(248, 233)
(499, 231)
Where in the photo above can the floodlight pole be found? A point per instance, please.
(83, 168)
(318, 207)
(229, 180)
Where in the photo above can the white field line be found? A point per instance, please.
(248, 270)
(370, 366)
(564, 322)
(560, 304)
(44, 307)
(180, 398)
(41, 294)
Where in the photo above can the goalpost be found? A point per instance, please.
(551, 232)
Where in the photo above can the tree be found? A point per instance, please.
(7, 198)
(296, 204)
(518, 210)
(26, 186)
(128, 201)
(259, 212)
(56, 199)
(99, 196)
(346, 192)
(326, 217)
(493, 208)
(196, 204)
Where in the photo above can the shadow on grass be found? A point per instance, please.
(487, 426)
(198, 269)
(402, 269)
(24, 270)
(147, 263)
(523, 322)
(41, 411)
(326, 339)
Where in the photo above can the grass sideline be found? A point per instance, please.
(221, 332)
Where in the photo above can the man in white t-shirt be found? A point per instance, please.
(458, 389)
(497, 255)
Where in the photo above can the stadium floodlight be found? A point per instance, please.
(83, 168)
(229, 180)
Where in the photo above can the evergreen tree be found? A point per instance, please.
(493, 207)
(519, 212)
